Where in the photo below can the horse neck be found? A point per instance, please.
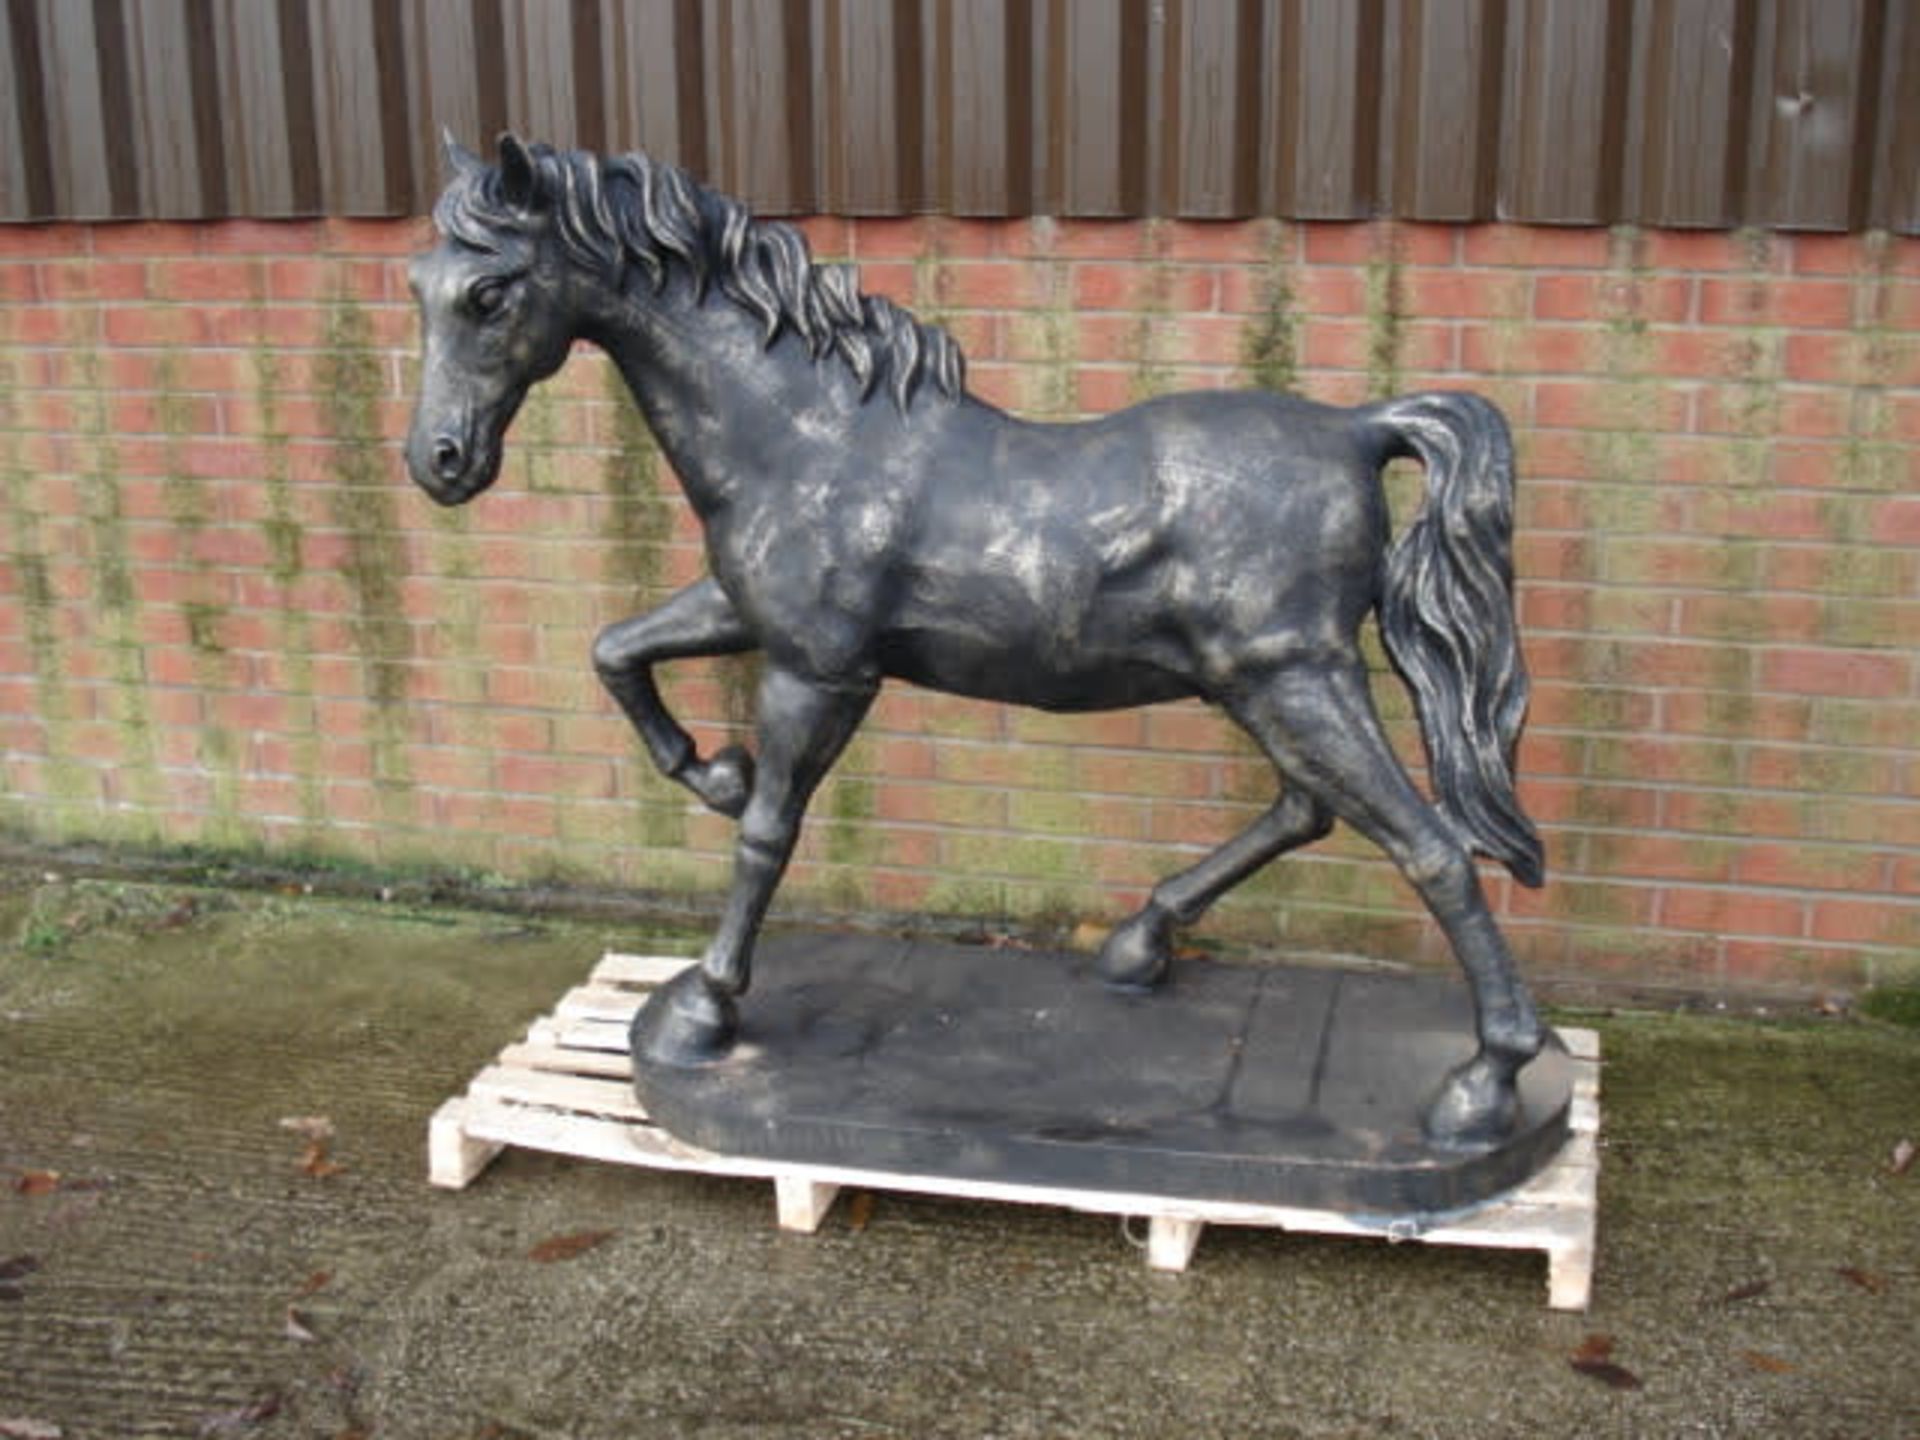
(689, 362)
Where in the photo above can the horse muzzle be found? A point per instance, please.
(450, 466)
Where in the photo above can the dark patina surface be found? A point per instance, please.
(1272, 1084)
(866, 519)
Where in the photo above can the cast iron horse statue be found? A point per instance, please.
(867, 517)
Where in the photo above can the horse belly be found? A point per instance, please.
(997, 671)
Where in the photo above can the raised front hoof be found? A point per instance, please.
(724, 783)
(1477, 1105)
(1138, 953)
(686, 1022)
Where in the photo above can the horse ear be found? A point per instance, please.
(519, 181)
(460, 160)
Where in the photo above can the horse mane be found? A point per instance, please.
(633, 209)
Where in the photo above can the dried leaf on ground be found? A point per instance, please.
(1594, 1359)
(38, 1182)
(565, 1247)
(318, 1280)
(1752, 1290)
(1770, 1364)
(1902, 1160)
(314, 1127)
(255, 1412)
(21, 1428)
(317, 1163)
(19, 1267)
(860, 1211)
(1872, 1281)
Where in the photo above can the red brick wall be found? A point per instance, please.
(228, 619)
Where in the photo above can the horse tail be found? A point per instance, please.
(1447, 618)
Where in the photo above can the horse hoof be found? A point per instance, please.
(1139, 951)
(725, 782)
(1477, 1105)
(685, 1022)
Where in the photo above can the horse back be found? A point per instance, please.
(1146, 555)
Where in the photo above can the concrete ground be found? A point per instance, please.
(175, 1260)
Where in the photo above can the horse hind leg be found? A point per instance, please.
(1136, 955)
(1319, 725)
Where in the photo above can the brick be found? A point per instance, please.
(1733, 912)
(396, 238)
(1806, 304)
(46, 239)
(1142, 287)
(1867, 921)
(147, 238)
(1232, 242)
(1537, 246)
(1666, 300)
(1830, 672)
(1711, 250)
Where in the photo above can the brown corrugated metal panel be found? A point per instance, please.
(1447, 101)
(1791, 113)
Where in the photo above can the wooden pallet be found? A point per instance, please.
(567, 1089)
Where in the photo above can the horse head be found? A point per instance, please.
(497, 311)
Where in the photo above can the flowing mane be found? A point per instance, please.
(630, 208)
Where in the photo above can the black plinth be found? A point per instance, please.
(1276, 1085)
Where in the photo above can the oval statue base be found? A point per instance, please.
(1270, 1084)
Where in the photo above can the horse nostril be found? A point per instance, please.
(448, 458)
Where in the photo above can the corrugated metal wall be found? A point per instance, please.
(1793, 113)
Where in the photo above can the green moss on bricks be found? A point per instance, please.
(850, 839)
(1270, 344)
(641, 517)
(1755, 406)
(536, 432)
(1049, 332)
(1622, 453)
(286, 538)
(27, 554)
(117, 597)
(1386, 317)
(362, 503)
(190, 508)
(1152, 371)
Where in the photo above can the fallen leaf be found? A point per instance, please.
(1771, 1364)
(1872, 1281)
(315, 1161)
(297, 1328)
(314, 1127)
(38, 1182)
(860, 1211)
(225, 1422)
(1592, 1360)
(1594, 1347)
(24, 1429)
(1902, 1160)
(318, 1280)
(19, 1267)
(565, 1247)
(1753, 1289)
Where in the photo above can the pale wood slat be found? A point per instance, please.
(618, 969)
(533, 1055)
(590, 1096)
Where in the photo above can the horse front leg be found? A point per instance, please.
(699, 620)
(802, 727)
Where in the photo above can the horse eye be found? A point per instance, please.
(487, 297)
